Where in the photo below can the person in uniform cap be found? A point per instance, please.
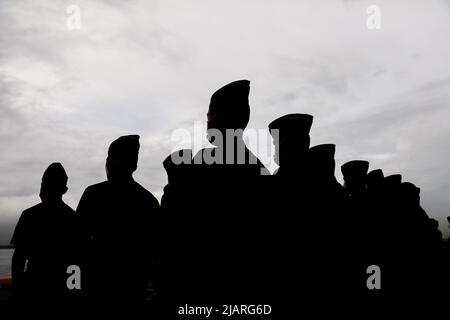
(423, 252)
(290, 190)
(217, 201)
(44, 241)
(355, 176)
(391, 235)
(392, 195)
(306, 204)
(117, 215)
(375, 189)
(355, 179)
(174, 219)
(328, 195)
(291, 134)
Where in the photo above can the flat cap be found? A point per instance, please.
(294, 121)
(393, 180)
(322, 152)
(355, 168)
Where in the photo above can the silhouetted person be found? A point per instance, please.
(44, 241)
(423, 253)
(327, 228)
(398, 241)
(288, 203)
(170, 273)
(310, 207)
(289, 183)
(117, 220)
(213, 208)
(355, 184)
(376, 219)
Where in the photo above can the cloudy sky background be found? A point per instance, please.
(150, 67)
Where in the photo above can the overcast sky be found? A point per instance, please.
(150, 67)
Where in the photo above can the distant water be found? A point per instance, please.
(5, 262)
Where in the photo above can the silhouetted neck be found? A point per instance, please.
(53, 202)
(122, 180)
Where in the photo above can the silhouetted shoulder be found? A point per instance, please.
(68, 208)
(61, 208)
(90, 194)
(21, 229)
(40, 207)
(97, 187)
(105, 187)
(31, 217)
(147, 195)
(32, 210)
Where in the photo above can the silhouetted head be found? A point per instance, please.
(229, 107)
(321, 162)
(122, 158)
(392, 185)
(375, 179)
(54, 183)
(293, 137)
(355, 175)
(393, 181)
(410, 193)
(177, 165)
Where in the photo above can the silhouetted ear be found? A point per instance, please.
(65, 190)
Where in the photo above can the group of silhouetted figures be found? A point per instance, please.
(224, 230)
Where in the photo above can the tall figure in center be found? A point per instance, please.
(219, 232)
